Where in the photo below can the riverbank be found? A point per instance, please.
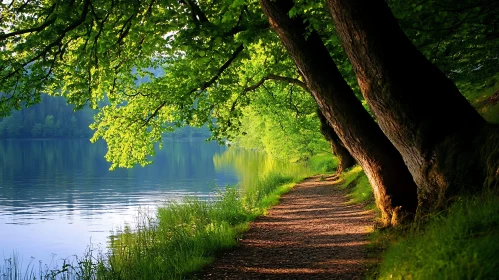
(181, 236)
(185, 236)
(322, 229)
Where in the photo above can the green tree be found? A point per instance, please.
(459, 37)
(346, 160)
(446, 144)
(395, 195)
(36, 131)
(155, 65)
(211, 54)
(49, 126)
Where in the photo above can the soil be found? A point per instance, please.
(312, 234)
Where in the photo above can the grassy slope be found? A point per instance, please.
(359, 189)
(460, 243)
(478, 99)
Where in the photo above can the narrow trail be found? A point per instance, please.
(311, 234)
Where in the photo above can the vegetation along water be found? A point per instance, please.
(405, 94)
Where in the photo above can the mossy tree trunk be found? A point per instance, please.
(446, 144)
(393, 187)
(345, 159)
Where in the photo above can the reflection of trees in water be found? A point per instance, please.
(69, 172)
(252, 165)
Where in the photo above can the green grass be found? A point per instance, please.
(490, 113)
(323, 163)
(461, 243)
(75, 268)
(181, 239)
(186, 236)
(359, 189)
(477, 97)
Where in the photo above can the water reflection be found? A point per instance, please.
(251, 165)
(58, 195)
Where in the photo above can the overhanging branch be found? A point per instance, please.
(263, 80)
(222, 68)
(276, 78)
(206, 84)
(56, 42)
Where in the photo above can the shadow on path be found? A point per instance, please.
(311, 234)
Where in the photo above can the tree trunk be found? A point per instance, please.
(393, 187)
(445, 143)
(344, 157)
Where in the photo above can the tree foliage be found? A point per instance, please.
(91, 50)
(163, 64)
(460, 37)
(282, 121)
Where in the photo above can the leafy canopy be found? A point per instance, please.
(148, 65)
(151, 65)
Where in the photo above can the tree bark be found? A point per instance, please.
(393, 187)
(338, 149)
(445, 143)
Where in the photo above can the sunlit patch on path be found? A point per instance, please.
(311, 234)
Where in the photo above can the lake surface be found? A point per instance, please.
(58, 196)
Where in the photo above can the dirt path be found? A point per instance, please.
(311, 234)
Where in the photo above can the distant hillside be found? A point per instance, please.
(52, 118)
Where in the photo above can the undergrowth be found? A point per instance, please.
(323, 163)
(485, 100)
(460, 243)
(359, 189)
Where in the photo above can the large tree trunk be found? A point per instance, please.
(393, 187)
(345, 159)
(445, 143)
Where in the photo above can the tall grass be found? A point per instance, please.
(186, 236)
(461, 243)
(323, 163)
(84, 267)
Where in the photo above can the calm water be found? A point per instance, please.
(57, 196)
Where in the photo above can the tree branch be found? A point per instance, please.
(205, 85)
(58, 40)
(277, 78)
(261, 83)
(28, 30)
(196, 11)
(226, 65)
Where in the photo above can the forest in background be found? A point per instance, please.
(54, 118)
